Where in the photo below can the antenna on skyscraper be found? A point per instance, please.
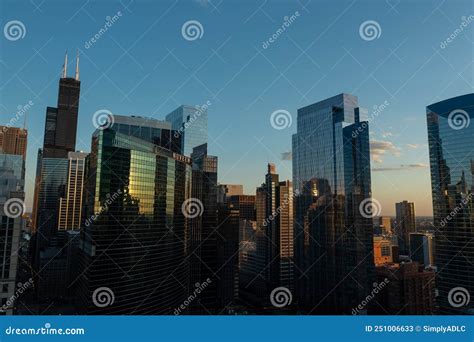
(65, 66)
(77, 65)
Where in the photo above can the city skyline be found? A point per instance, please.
(141, 80)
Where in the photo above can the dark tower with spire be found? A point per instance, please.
(61, 121)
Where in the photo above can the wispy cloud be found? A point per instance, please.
(287, 155)
(402, 167)
(415, 146)
(378, 148)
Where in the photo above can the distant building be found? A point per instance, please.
(385, 224)
(409, 290)
(71, 205)
(61, 121)
(450, 135)
(190, 126)
(406, 224)
(384, 250)
(224, 191)
(422, 248)
(13, 140)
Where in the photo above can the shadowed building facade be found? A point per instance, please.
(333, 240)
(450, 136)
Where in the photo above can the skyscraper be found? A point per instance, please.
(450, 136)
(406, 224)
(385, 223)
(190, 125)
(61, 121)
(133, 242)
(12, 196)
(333, 234)
(204, 239)
(422, 248)
(13, 140)
(71, 205)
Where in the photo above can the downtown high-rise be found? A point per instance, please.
(450, 136)
(333, 231)
(133, 240)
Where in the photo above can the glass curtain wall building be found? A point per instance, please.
(133, 240)
(450, 136)
(333, 240)
(190, 124)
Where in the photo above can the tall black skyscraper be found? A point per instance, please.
(61, 121)
(333, 239)
(450, 137)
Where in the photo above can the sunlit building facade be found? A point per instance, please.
(133, 240)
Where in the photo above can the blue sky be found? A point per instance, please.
(143, 65)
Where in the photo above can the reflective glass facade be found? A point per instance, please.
(331, 172)
(133, 239)
(191, 124)
(452, 173)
